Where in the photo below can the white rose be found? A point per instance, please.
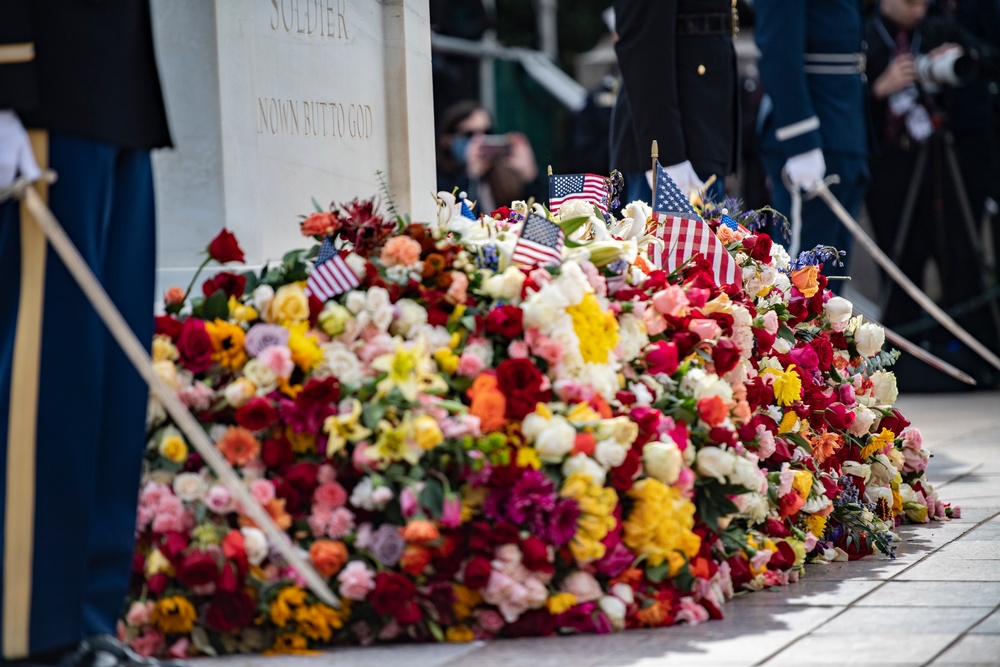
(576, 208)
(240, 391)
(381, 317)
(868, 338)
(555, 440)
(355, 302)
(884, 387)
(261, 375)
(357, 264)
(582, 463)
(614, 609)
(333, 319)
(782, 346)
(506, 285)
(339, 362)
(715, 462)
(862, 470)
(863, 420)
(610, 453)
(261, 298)
(583, 585)
(255, 544)
(362, 495)
(838, 310)
(411, 314)
(662, 460)
(189, 486)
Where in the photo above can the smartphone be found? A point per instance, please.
(495, 146)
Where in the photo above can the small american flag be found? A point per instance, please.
(590, 188)
(331, 275)
(684, 233)
(540, 243)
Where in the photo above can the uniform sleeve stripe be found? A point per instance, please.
(797, 129)
(17, 53)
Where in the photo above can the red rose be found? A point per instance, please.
(839, 417)
(317, 401)
(194, 346)
(477, 572)
(173, 545)
(157, 583)
(824, 352)
(229, 611)
(224, 248)
(739, 571)
(758, 246)
(303, 476)
(198, 569)
(830, 488)
(765, 340)
(536, 555)
(256, 414)
(505, 321)
(521, 384)
(230, 580)
(783, 558)
(393, 594)
(895, 422)
(277, 452)
(725, 356)
(661, 357)
(230, 283)
(502, 213)
(167, 325)
(856, 544)
(775, 528)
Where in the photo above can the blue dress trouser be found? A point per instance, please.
(91, 404)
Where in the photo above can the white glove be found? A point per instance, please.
(683, 175)
(16, 156)
(806, 170)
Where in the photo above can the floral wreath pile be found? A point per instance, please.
(469, 449)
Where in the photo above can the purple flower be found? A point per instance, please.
(533, 493)
(262, 336)
(387, 545)
(557, 526)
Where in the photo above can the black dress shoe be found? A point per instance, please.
(107, 651)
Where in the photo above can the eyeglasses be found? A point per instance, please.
(471, 133)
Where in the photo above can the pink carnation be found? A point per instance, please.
(263, 491)
(912, 438)
(691, 612)
(149, 642)
(330, 495)
(356, 581)
(279, 359)
(400, 251)
(196, 397)
(340, 523)
(470, 364)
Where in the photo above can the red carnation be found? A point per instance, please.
(393, 595)
(224, 248)
(229, 611)
(230, 283)
(521, 384)
(194, 346)
(505, 321)
(198, 569)
(256, 414)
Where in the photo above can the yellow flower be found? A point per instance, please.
(596, 329)
(586, 549)
(816, 525)
(582, 413)
(877, 442)
(411, 371)
(313, 622)
(290, 643)
(284, 606)
(472, 499)
(787, 384)
(156, 562)
(660, 524)
(333, 319)
(459, 633)
(788, 422)
(174, 615)
(596, 504)
(394, 442)
(466, 600)
(426, 432)
(446, 360)
(559, 603)
(227, 341)
(306, 352)
(345, 428)
(164, 349)
(802, 481)
(173, 448)
(240, 312)
(302, 443)
(527, 457)
(289, 305)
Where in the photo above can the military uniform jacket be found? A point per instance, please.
(811, 68)
(55, 79)
(679, 88)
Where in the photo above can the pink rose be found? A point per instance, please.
(691, 612)
(671, 301)
(583, 585)
(705, 329)
(654, 321)
(517, 349)
(263, 491)
(470, 364)
(540, 277)
(179, 649)
(489, 620)
(451, 512)
(197, 397)
(220, 500)
(765, 444)
(150, 642)
(459, 285)
(356, 581)
(408, 502)
(326, 473)
(279, 359)
(594, 277)
(771, 322)
(331, 495)
(138, 613)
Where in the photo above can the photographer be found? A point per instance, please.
(914, 62)
(494, 169)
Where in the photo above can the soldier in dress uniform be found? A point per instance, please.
(814, 118)
(679, 87)
(81, 77)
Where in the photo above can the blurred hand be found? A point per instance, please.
(939, 51)
(683, 175)
(477, 162)
(806, 170)
(521, 158)
(900, 74)
(16, 156)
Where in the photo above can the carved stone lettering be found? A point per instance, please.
(314, 118)
(319, 18)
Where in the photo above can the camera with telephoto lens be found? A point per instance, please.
(951, 68)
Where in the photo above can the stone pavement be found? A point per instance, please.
(937, 603)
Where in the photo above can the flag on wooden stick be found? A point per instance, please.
(331, 275)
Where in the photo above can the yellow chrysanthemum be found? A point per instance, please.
(304, 346)
(660, 524)
(227, 343)
(458, 634)
(877, 442)
(787, 385)
(560, 602)
(284, 606)
(788, 422)
(164, 349)
(816, 525)
(174, 615)
(527, 457)
(466, 600)
(596, 329)
(597, 504)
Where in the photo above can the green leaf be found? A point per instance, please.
(319, 209)
(798, 440)
(435, 630)
(573, 224)
(657, 573)
(432, 497)
(216, 306)
(372, 413)
(786, 334)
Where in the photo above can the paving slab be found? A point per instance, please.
(934, 594)
(932, 620)
(885, 645)
(989, 625)
(972, 650)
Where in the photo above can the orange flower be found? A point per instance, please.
(488, 403)
(415, 559)
(806, 280)
(239, 446)
(328, 556)
(653, 616)
(276, 508)
(712, 409)
(420, 531)
(727, 235)
(585, 443)
(824, 445)
(400, 251)
(319, 224)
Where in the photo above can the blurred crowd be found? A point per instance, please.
(892, 104)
